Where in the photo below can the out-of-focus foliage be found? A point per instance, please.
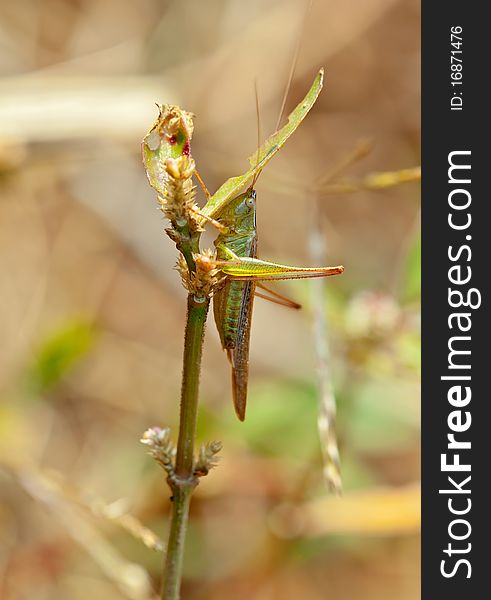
(58, 353)
(80, 235)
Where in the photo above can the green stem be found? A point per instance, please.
(188, 244)
(184, 481)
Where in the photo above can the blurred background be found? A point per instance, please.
(92, 311)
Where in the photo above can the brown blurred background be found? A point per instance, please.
(92, 312)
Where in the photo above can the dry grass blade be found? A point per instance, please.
(130, 578)
(373, 181)
(379, 511)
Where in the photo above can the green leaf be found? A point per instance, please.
(169, 137)
(260, 158)
(58, 353)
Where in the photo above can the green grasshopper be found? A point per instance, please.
(236, 248)
(232, 304)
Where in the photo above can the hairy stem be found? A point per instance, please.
(184, 480)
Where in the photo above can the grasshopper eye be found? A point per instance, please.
(250, 201)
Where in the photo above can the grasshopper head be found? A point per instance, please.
(240, 214)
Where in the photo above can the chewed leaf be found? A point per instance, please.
(257, 160)
(169, 137)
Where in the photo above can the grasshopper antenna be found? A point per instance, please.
(286, 92)
(294, 63)
(258, 122)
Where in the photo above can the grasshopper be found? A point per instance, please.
(232, 304)
(236, 257)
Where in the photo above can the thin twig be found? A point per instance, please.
(326, 421)
(327, 401)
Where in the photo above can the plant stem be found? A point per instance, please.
(184, 481)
